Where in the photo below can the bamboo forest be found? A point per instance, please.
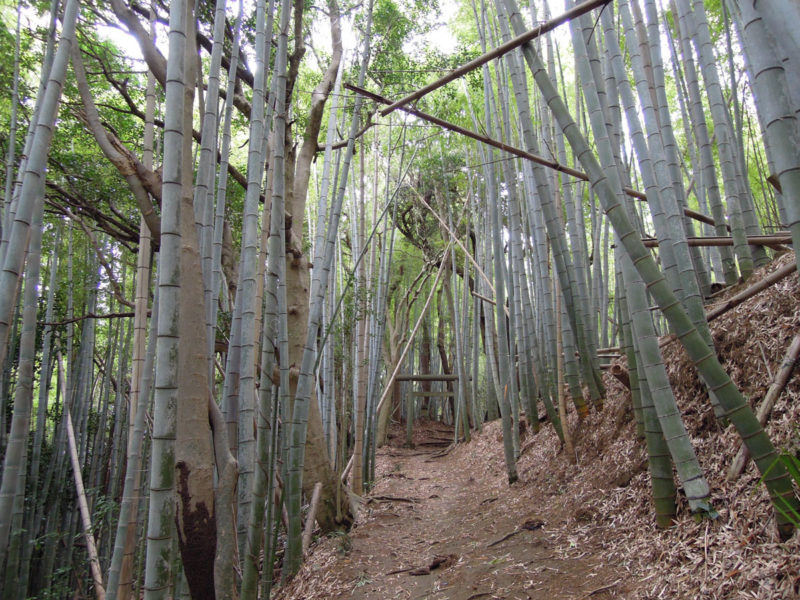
(436, 299)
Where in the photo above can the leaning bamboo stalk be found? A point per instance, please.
(735, 407)
(33, 179)
(499, 51)
(86, 519)
(390, 382)
(534, 158)
(754, 289)
(10, 208)
(788, 365)
(667, 430)
(12, 130)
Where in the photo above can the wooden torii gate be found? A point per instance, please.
(401, 377)
(425, 377)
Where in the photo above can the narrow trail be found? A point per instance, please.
(598, 537)
(443, 523)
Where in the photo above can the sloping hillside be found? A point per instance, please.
(442, 524)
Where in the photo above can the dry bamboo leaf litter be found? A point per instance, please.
(601, 506)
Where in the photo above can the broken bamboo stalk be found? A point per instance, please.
(621, 374)
(781, 379)
(346, 472)
(312, 515)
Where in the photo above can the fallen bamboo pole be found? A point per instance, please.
(540, 160)
(752, 240)
(426, 377)
(754, 289)
(765, 408)
(621, 373)
(609, 350)
(516, 42)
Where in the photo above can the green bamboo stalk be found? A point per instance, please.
(32, 188)
(708, 178)
(712, 372)
(248, 268)
(161, 519)
(693, 20)
(776, 107)
(658, 459)
(319, 284)
(12, 489)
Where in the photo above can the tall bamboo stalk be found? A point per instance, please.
(161, 519)
(715, 377)
(32, 189)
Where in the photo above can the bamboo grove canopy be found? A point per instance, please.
(239, 239)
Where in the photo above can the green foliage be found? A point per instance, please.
(345, 544)
(791, 461)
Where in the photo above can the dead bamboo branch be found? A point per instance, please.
(781, 379)
(754, 289)
(312, 515)
(540, 160)
(781, 237)
(116, 315)
(484, 298)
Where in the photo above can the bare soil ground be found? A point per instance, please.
(445, 524)
(442, 524)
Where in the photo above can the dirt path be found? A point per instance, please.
(439, 526)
